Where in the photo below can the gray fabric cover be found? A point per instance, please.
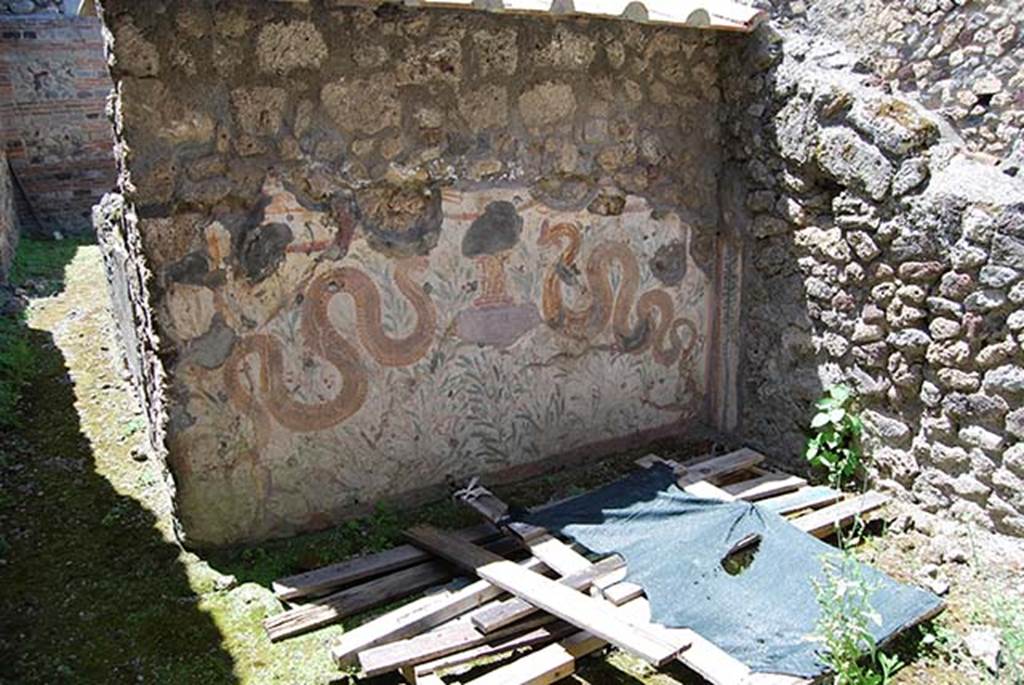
(674, 543)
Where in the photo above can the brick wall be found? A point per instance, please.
(8, 227)
(53, 90)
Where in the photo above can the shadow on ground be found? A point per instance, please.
(92, 591)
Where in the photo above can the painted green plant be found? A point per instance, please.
(834, 444)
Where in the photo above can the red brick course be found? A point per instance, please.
(53, 91)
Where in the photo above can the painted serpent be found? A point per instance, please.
(655, 329)
(324, 341)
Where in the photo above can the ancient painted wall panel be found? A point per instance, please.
(527, 331)
(386, 249)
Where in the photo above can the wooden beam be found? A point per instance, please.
(450, 638)
(490, 647)
(811, 497)
(716, 467)
(823, 522)
(410, 620)
(569, 605)
(764, 486)
(323, 580)
(358, 598)
(500, 614)
(354, 600)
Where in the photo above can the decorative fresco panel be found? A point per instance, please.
(525, 332)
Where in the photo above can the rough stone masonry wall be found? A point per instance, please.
(53, 91)
(882, 257)
(386, 249)
(961, 58)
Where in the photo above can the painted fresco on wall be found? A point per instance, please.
(526, 332)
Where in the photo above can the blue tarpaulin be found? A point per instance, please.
(674, 544)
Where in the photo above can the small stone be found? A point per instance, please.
(983, 646)
(1013, 459)
(956, 286)
(1008, 251)
(921, 272)
(949, 458)
(853, 162)
(963, 381)
(987, 85)
(985, 300)
(1016, 294)
(863, 245)
(939, 586)
(866, 333)
(977, 436)
(949, 353)
(978, 225)
(1007, 378)
(996, 353)
(283, 47)
(964, 256)
(944, 329)
(969, 487)
(1015, 423)
(940, 305)
(911, 174)
(546, 103)
(914, 294)
(998, 276)
(888, 428)
(910, 340)
(1015, 321)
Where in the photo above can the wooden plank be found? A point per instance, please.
(355, 599)
(492, 647)
(813, 497)
(558, 660)
(823, 522)
(767, 485)
(569, 605)
(449, 638)
(543, 667)
(500, 614)
(706, 490)
(410, 620)
(709, 469)
(322, 580)
(557, 555)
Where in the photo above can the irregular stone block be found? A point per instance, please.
(849, 159)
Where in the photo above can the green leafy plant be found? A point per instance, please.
(844, 625)
(835, 441)
(1008, 613)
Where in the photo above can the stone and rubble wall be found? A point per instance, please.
(374, 251)
(964, 59)
(883, 256)
(8, 221)
(53, 91)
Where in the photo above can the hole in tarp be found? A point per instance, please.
(741, 556)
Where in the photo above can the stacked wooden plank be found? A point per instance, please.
(518, 588)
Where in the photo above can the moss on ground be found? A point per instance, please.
(95, 587)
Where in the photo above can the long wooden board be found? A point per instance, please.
(405, 621)
(567, 604)
(765, 486)
(811, 497)
(824, 522)
(492, 647)
(709, 469)
(323, 580)
(500, 614)
(356, 599)
(450, 638)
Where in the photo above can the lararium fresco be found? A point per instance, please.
(527, 331)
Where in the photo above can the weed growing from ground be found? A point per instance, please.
(17, 364)
(844, 625)
(1008, 614)
(834, 444)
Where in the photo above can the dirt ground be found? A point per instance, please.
(96, 590)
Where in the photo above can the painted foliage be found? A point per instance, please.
(525, 332)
